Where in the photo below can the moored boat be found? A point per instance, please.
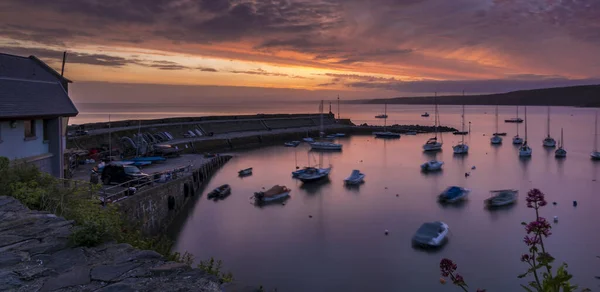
(453, 194)
(385, 133)
(311, 174)
(432, 165)
(595, 155)
(496, 139)
(326, 146)
(524, 149)
(502, 198)
(425, 114)
(461, 147)
(291, 144)
(431, 234)
(514, 120)
(549, 141)
(245, 172)
(432, 144)
(355, 178)
(220, 192)
(561, 152)
(275, 193)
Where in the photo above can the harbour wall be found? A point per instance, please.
(153, 209)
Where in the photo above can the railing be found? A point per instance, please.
(121, 191)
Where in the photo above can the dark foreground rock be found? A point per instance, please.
(35, 255)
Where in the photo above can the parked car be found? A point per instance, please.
(119, 173)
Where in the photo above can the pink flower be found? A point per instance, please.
(535, 199)
(447, 267)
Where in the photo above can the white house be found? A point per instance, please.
(34, 112)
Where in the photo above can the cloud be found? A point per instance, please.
(206, 69)
(73, 58)
(326, 84)
(266, 73)
(166, 65)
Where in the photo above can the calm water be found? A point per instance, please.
(343, 246)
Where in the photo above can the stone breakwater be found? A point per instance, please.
(35, 255)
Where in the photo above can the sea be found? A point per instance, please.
(328, 237)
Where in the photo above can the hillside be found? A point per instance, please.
(582, 96)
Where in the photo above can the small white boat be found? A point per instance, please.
(525, 150)
(461, 147)
(561, 152)
(453, 194)
(386, 134)
(517, 140)
(384, 116)
(432, 165)
(502, 198)
(431, 234)
(549, 141)
(291, 144)
(496, 140)
(245, 172)
(275, 193)
(308, 139)
(311, 174)
(432, 145)
(325, 146)
(355, 178)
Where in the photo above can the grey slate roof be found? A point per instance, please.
(27, 68)
(30, 88)
(20, 98)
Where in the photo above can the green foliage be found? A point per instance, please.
(94, 223)
(213, 267)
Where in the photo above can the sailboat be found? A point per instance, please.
(461, 147)
(496, 139)
(324, 145)
(517, 140)
(432, 144)
(561, 152)
(525, 150)
(312, 174)
(386, 134)
(549, 141)
(595, 154)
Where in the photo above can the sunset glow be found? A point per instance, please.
(385, 48)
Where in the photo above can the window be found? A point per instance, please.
(29, 126)
(46, 129)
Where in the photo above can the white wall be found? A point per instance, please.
(14, 145)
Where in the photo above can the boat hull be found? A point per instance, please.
(432, 147)
(517, 140)
(514, 121)
(496, 140)
(595, 155)
(525, 152)
(273, 198)
(461, 149)
(560, 153)
(432, 166)
(326, 146)
(549, 142)
(386, 135)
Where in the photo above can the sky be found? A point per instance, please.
(202, 50)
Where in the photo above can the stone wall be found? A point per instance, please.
(35, 255)
(153, 209)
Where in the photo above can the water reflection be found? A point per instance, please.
(315, 187)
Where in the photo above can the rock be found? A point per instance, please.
(9, 259)
(66, 259)
(9, 280)
(139, 255)
(77, 276)
(169, 268)
(108, 273)
(118, 287)
(32, 273)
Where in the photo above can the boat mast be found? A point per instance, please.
(562, 141)
(496, 119)
(596, 133)
(435, 114)
(525, 125)
(517, 120)
(548, 124)
(463, 121)
(139, 140)
(338, 100)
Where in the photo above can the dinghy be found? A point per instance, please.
(355, 178)
(275, 193)
(453, 194)
(432, 165)
(502, 198)
(431, 234)
(245, 172)
(220, 192)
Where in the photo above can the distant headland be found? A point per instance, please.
(580, 96)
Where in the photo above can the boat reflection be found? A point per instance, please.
(315, 187)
